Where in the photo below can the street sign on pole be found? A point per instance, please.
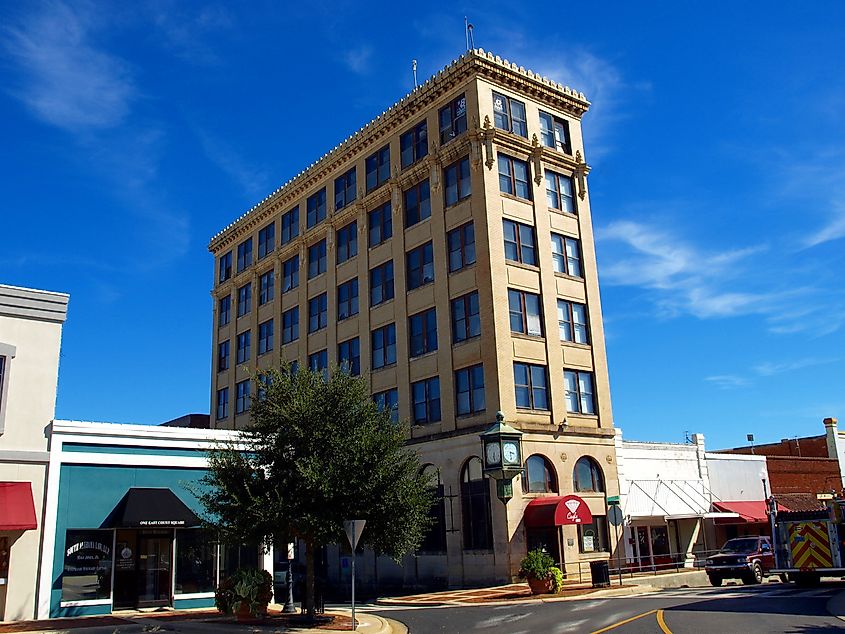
(614, 516)
(353, 529)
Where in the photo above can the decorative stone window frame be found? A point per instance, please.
(8, 352)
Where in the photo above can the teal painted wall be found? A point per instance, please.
(88, 493)
(188, 604)
(76, 447)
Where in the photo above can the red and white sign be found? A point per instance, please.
(575, 511)
(557, 511)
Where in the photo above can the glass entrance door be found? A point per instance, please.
(155, 557)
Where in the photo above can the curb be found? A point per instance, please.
(836, 606)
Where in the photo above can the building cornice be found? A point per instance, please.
(31, 303)
(475, 62)
(139, 432)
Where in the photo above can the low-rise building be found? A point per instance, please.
(30, 339)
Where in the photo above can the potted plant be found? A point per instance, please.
(539, 569)
(245, 594)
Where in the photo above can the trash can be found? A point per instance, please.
(600, 574)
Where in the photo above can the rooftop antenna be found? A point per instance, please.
(750, 438)
(468, 33)
(414, 69)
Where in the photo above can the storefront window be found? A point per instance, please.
(87, 567)
(592, 538)
(236, 556)
(195, 551)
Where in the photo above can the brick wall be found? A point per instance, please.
(811, 446)
(803, 475)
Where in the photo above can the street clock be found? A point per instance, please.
(502, 450)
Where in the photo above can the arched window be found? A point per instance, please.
(588, 476)
(435, 539)
(539, 476)
(475, 507)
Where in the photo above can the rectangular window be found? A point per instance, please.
(566, 255)
(266, 284)
(349, 356)
(422, 332)
(244, 299)
(420, 265)
(559, 192)
(520, 245)
(316, 208)
(578, 386)
(513, 177)
(244, 254)
(290, 225)
(417, 201)
(87, 565)
(290, 325)
(453, 119)
(384, 346)
(592, 537)
(319, 361)
(381, 283)
(317, 259)
(554, 132)
(345, 189)
(347, 242)
(266, 240)
(413, 145)
(525, 313)
(318, 317)
(457, 181)
(466, 322)
(469, 390)
(509, 114)
(265, 337)
(572, 318)
(243, 346)
(347, 299)
(222, 359)
(378, 168)
(461, 245)
(290, 274)
(225, 267)
(196, 553)
(223, 311)
(425, 397)
(242, 401)
(381, 224)
(222, 403)
(531, 384)
(388, 401)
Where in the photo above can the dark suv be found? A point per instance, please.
(746, 558)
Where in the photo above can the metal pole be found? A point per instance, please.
(289, 608)
(353, 589)
(618, 555)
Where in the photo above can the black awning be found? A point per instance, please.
(143, 508)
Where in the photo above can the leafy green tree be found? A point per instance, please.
(317, 452)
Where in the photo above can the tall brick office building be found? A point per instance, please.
(445, 252)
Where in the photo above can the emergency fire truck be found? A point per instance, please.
(809, 545)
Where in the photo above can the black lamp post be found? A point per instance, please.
(502, 451)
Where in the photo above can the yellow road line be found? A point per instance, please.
(663, 627)
(615, 625)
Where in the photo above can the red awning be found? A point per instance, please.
(556, 511)
(17, 512)
(749, 511)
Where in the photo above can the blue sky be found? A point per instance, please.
(717, 141)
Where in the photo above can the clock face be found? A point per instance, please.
(511, 452)
(494, 453)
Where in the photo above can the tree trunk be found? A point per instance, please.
(309, 579)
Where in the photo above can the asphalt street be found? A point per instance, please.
(765, 608)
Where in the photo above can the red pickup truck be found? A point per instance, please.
(746, 558)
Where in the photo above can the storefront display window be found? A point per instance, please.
(592, 537)
(87, 565)
(195, 554)
(233, 557)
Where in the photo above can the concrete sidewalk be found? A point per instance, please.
(514, 592)
(199, 622)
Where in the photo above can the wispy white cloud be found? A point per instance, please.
(772, 368)
(358, 59)
(833, 230)
(253, 180)
(727, 381)
(65, 79)
(189, 34)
